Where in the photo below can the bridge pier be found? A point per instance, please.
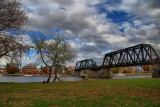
(90, 73)
(106, 73)
(156, 71)
(103, 73)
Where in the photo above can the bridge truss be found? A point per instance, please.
(85, 64)
(142, 54)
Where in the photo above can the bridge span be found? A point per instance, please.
(142, 54)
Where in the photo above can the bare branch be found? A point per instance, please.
(12, 18)
(54, 51)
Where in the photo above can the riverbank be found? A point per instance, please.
(92, 93)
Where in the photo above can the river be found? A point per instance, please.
(40, 79)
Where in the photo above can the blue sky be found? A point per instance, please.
(96, 27)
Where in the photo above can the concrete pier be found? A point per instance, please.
(156, 71)
(103, 73)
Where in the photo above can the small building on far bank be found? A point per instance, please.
(31, 70)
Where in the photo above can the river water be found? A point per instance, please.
(41, 79)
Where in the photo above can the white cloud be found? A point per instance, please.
(137, 23)
(92, 33)
(125, 25)
(25, 39)
(147, 27)
(51, 41)
(3, 61)
(148, 8)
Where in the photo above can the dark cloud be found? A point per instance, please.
(89, 48)
(64, 2)
(153, 3)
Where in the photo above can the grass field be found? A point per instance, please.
(91, 93)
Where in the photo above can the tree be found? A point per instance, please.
(12, 18)
(147, 68)
(114, 70)
(54, 51)
(15, 56)
(11, 68)
(45, 70)
(132, 70)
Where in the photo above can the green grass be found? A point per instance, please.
(91, 93)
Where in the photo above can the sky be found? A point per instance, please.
(95, 27)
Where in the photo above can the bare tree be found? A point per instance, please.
(15, 57)
(12, 18)
(11, 15)
(54, 51)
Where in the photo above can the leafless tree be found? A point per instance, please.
(54, 51)
(12, 18)
(15, 57)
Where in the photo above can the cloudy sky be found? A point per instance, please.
(96, 27)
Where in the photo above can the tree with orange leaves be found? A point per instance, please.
(147, 68)
(11, 68)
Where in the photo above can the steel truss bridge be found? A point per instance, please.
(142, 54)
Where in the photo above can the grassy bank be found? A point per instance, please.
(91, 93)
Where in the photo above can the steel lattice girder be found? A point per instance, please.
(85, 64)
(142, 54)
(133, 56)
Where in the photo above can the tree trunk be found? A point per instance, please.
(55, 75)
(49, 77)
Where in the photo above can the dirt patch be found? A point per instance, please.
(20, 104)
